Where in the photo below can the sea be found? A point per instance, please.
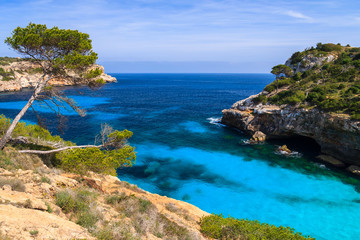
(183, 152)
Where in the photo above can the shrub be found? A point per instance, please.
(144, 205)
(328, 47)
(65, 201)
(81, 161)
(31, 131)
(260, 99)
(218, 227)
(270, 88)
(116, 198)
(16, 184)
(87, 219)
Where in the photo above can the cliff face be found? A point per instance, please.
(29, 208)
(25, 74)
(337, 135)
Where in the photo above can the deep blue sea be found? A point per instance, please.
(182, 153)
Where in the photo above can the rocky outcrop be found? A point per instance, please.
(337, 135)
(26, 74)
(310, 61)
(28, 208)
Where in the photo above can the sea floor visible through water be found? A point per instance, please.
(183, 153)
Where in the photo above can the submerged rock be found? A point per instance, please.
(331, 160)
(354, 169)
(258, 136)
(285, 149)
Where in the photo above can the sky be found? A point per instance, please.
(201, 36)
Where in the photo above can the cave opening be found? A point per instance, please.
(305, 145)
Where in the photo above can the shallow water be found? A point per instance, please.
(182, 152)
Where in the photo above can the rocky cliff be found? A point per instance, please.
(18, 74)
(337, 135)
(320, 101)
(33, 206)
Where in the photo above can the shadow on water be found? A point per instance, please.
(169, 174)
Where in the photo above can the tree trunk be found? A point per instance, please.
(59, 149)
(41, 84)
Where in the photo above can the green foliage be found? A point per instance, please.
(81, 161)
(218, 227)
(66, 201)
(78, 202)
(332, 87)
(49, 208)
(116, 198)
(31, 131)
(45, 179)
(7, 76)
(93, 73)
(144, 205)
(328, 47)
(87, 219)
(34, 232)
(282, 69)
(260, 99)
(74, 202)
(65, 48)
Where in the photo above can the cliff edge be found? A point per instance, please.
(17, 73)
(317, 95)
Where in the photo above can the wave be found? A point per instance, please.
(215, 121)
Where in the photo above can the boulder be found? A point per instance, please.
(354, 169)
(258, 136)
(331, 160)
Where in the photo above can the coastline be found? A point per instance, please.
(336, 134)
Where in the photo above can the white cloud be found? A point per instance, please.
(298, 15)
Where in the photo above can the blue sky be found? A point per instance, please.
(191, 35)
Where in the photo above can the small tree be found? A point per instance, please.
(281, 70)
(59, 53)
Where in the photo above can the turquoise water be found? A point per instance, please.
(182, 153)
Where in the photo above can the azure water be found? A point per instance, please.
(183, 153)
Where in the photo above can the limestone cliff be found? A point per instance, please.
(24, 74)
(320, 100)
(29, 209)
(337, 135)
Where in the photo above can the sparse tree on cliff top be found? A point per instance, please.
(280, 70)
(60, 53)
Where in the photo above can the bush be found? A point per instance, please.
(81, 161)
(328, 47)
(65, 201)
(218, 227)
(16, 184)
(31, 131)
(87, 219)
(260, 99)
(270, 88)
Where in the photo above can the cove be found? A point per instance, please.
(182, 152)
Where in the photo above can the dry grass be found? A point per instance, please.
(16, 184)
(11, 159)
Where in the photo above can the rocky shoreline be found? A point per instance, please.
(25, 74)
(29, 208)
(336, 134)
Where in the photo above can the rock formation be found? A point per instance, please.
(337, 135)
(319, 101)
(25, 74)
(28, 208)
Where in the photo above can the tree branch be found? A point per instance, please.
(58, 149)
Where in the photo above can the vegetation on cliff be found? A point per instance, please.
(115, 151)
(219, 227)
(55, 51)
(326, 77)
